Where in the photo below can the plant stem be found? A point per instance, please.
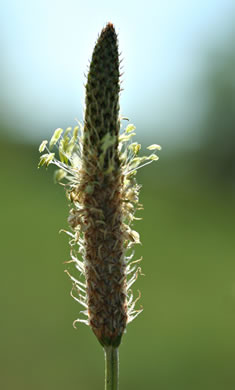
(111, 368)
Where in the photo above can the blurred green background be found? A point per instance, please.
(185, 338)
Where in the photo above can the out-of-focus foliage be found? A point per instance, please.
(183, 340)
(218, 123)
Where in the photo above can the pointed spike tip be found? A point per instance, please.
(108, 29)
(109, 25)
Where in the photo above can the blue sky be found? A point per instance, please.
(46, 45)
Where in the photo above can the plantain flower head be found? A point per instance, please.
(97, 164)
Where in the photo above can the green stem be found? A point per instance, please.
(111, 368)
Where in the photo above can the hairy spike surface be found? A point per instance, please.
(101, 171)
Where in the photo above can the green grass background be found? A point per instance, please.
(184, 339)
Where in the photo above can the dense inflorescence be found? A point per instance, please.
(97, 165)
